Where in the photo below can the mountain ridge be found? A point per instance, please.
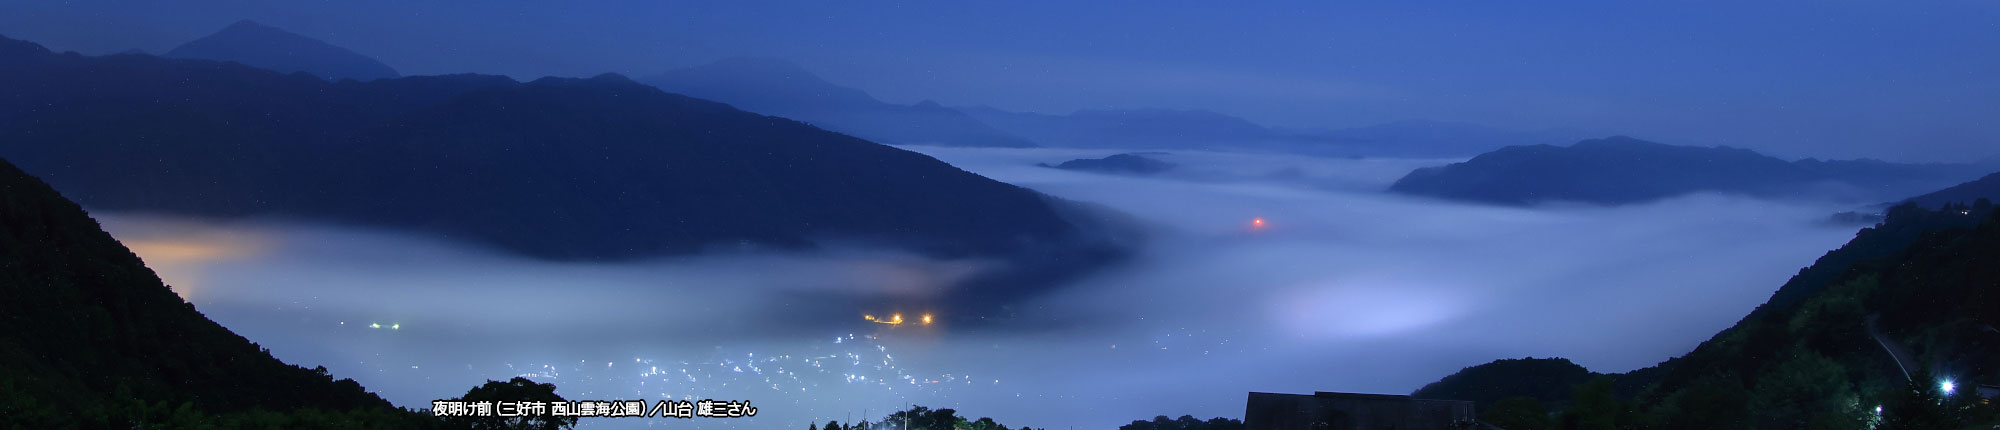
(263, 46)
(1622, 170)
(229, 140)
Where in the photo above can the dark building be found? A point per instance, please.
(1350, 411)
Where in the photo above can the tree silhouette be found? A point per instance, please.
(518, 389)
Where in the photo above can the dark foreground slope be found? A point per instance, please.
(1926, 281)
(272, 48)
(90, 337)
(1620, 170)
(600, 168)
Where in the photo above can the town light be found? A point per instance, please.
(1947, 386)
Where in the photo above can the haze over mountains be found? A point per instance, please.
(784, 89)
(267, 47)
(1620, 170)
(1207, 130)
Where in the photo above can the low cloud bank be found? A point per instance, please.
(1341, 288)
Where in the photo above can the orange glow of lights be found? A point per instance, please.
(927, 318)
(1257, 224)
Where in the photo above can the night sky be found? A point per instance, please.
(1829, 79)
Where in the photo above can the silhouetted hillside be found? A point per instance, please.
(1924, 281)
(599, 168)
(90, 337)
(779, 88)
(1619, 170)
(1129, 164)
(272, 48)
(1987, 187)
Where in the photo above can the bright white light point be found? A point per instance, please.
(374, 325)
(1947, 386)
(397, 326)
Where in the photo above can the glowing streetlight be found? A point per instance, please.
(1947, 386)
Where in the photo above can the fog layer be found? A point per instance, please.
(1339, 288)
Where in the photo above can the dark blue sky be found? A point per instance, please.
(1895, 80)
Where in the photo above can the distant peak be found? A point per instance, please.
(277, 49)
(613, 77)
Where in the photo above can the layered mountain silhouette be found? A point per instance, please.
(784, 89)
(780, 88)
(91, 338)
(1419, 138)
(1619, 170)
(600, 168)
(268, 47)
(1208, 130)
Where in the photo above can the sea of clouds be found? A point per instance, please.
(1343, 288)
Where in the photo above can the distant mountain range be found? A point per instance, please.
(91, 338)
(1207, 130)
(1818, 354)
(1619, 170)
(774, 87)
(784, 89)
(1137, 129)
(267, 47)
(1437, 139)
(600, 168)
